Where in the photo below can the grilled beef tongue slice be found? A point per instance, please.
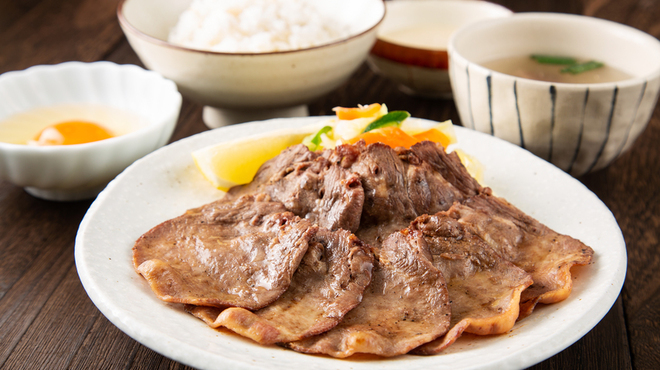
(275, 169)
(405, 305)
(528, 244)
(329, 282)
(311, 187)
(401, 184)
(227, 253)
(484, 289)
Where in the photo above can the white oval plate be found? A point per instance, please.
(165, 183)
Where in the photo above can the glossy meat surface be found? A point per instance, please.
(311, 187)
(545, 254)
(328, 283)
(401, 184)
(484, 289)
(405, 305)
(240, 253)
(434, 254)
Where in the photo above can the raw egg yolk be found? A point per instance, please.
(70, 133)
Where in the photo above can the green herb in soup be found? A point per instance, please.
(561, 69)
(552, 59)
(573, 66)
(582, 67)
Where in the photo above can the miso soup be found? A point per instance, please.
(531, 68)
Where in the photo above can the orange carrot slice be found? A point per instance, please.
(359, 112)
(392, 136)
(434, 135)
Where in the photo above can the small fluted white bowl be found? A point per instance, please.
(74, 172)
(578, 127)
(237, 87)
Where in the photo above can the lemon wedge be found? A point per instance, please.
(236, 162)
(472, 165)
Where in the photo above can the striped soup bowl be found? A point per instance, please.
(579, 127)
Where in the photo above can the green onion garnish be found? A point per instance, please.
(317, 138)
(315, 141)
(551, 59)
(582, 67)
(393, 118)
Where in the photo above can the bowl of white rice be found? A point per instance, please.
(252, 59)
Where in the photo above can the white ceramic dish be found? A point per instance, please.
(417, 68)
(166, 183)
(236, 87)
(578, 127)
(72, 172)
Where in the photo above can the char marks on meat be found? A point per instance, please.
(434, 254)
(449, 166)
(408, 182)
(311, 187)
(329, 282)
(484, 289)
(530, 245)
(405, 305)
(241, 253)
(401, 184)
(275, 169)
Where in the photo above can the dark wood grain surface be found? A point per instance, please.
(48, 322)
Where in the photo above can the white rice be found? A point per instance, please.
(255, 26)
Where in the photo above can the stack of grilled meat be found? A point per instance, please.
(359, 249)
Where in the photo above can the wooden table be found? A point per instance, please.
(46, 319)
